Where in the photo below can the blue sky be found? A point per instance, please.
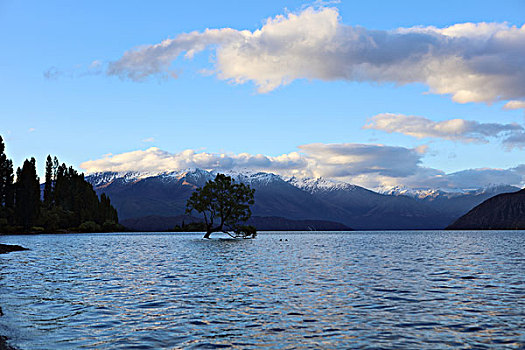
(81, 113)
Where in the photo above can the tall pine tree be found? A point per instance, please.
(27, 199)
(70, 202)
(106, 211)
(6, 186)
(76, 196)
(48, 186)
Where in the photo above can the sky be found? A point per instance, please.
(375, 93)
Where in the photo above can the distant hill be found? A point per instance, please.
(141, 196)
(502, 212)
(166, 223)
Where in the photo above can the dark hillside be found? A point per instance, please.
(502, 212)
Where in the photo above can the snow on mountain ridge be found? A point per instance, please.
(419, 193)
(313, 185)
(193, 174)
(432, 193)
(100, 179)
(259, 178)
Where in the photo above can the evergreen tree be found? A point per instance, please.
(48, 187)
(9, 198)
(70, 202)
(55, 169)
(27, 196)
(76, 196)
(6, 188)
(107, 213)
(6, 177)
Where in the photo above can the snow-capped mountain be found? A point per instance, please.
(137, 195)
(193, 176)
(419, 193)
(312, 185)
(101, 179)
(256, 178)
(105, 178)
(434, 193)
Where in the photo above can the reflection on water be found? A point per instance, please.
(338, 290)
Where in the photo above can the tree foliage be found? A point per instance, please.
(7, 199)
(74, 195)
(225, 206)
(27, 195)
(50, 181)
(69, 201)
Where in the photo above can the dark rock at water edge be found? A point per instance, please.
(502, 212)
(7, 248)
(4, 345)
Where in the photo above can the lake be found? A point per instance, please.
(412, 290)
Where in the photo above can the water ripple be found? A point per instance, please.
(282, 290)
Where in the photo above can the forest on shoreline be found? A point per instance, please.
(66, 203)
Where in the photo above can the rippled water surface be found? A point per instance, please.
(281, 290)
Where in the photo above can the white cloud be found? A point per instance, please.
(374, 166)
(464, 179)
(366, 165)
(514, 105)
(454, 129)
(473, 62)
(327, 160)
(155, 160)
(345, 160)
(149, 139)
(475, 178)
(317, 160)
(515, 140)
(370, 166)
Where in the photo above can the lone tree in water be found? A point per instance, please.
(225, 206)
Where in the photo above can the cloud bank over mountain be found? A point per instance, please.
(370, 166)
(154, 160)
(472, 62)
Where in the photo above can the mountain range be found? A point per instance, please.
(139, 196)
